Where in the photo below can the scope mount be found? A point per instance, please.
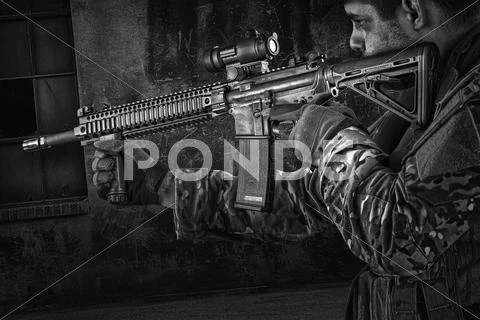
(238, 71)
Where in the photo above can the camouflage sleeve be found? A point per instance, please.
(206, 208)
(401, 222)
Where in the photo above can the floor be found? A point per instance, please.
(304, 303)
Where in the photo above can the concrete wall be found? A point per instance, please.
(129, 49)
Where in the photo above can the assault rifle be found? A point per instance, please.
(257, 97)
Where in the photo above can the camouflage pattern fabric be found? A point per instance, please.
(393, 221)
(206, 207)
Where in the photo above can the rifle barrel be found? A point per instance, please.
(47, 141)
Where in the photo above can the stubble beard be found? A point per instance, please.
(390, 38)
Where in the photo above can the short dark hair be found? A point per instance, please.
(387, 8)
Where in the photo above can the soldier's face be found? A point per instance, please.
(372, 34)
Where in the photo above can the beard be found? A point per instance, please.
(389, 37)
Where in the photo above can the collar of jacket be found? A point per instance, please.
(464, 56)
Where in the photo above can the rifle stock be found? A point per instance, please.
(250, 96)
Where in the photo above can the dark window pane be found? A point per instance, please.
(20, 5)
(56, 104)
(64, 171)
(21, 174)
(14, 49)
(53, 56)
(50, 6)
(18, 108)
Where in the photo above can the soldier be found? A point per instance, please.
(407, 207)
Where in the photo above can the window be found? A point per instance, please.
(38, 95)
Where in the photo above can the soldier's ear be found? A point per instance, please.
(416, 13)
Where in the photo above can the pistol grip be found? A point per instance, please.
(118, 192)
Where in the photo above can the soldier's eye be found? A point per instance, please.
(358, 23)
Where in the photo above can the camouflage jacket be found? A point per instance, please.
(416, 228)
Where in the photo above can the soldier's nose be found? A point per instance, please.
(357, 43)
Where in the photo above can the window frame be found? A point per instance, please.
(6, 212)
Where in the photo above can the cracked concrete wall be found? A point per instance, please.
(130, 50)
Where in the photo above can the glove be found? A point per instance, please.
(147, 186)
(321, 123)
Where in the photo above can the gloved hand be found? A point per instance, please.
(147, 187)
(321, 123)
